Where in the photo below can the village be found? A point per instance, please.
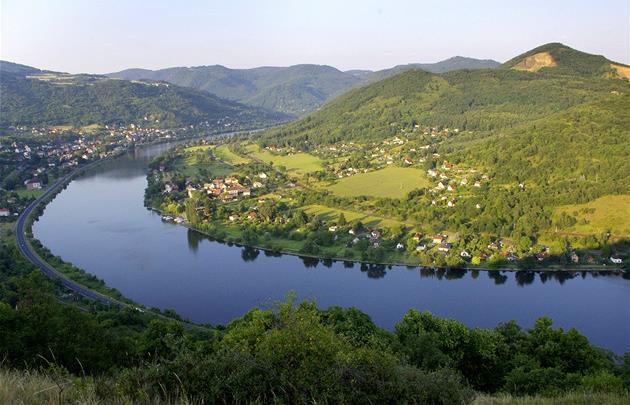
(32, 157)
(291, 222)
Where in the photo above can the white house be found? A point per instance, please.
(4, 212)
(616, 260)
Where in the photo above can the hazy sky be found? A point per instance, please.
(104, 36)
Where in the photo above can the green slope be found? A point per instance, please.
(55, 98)
(563, 132)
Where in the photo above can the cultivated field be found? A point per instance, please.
(611, 212)
(300, 163)
(392, 182)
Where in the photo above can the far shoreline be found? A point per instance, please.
(578, 268)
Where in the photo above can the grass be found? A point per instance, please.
(198, 148)
(329, 214)
(564, 399)
(24, 193)
(611, 212)
(33, 387)
(224, 153)
(392, 182)
(6, 231)
(299, 163)
(195, 159)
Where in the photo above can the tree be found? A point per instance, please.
(342, 220)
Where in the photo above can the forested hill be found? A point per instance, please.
(34, 97)
(568, 123)
(295, 90)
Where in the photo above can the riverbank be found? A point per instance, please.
(74, 279)
(552, 269)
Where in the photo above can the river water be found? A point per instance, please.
(99, 224)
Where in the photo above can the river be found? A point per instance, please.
(99, 223)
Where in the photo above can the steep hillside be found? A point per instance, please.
(55, 98)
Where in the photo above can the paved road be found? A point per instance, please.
(28, 252)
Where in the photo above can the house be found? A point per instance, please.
(477, 184)
(400, 246)
(257, 184)
(574, 257)
(441, 186)
(375, 234)
(233, 217)
(33, 184)
(420, 248)
(262, 175)
(464, 254)
(616, 260)
(4, 212)
(408, 161)
(333, 228)
(450, 188)
(541, 256)
(438, 239)
(445, 247)
(252, 215)
(351, 232)
(450, 204)
(417, 237)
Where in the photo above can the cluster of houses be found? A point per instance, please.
(229, 187)
(35, 151)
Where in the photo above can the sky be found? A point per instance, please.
(105, 36)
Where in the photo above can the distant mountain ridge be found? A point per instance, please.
(32, 96)
(295, 90)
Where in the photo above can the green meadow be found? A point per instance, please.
(391, 182)
(608, 213)
(300, 163)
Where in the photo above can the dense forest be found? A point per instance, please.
(57, 99)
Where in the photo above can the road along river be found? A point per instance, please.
(99, 223)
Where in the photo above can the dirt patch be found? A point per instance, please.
(535, 62)
(622, 71)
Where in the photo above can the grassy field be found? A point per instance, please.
(198, 148)
(299, 163)
(611, 212)
(224, 153)
(191, 164)
(329, 214)
(393, 182)
(22, 192)
(6, 231)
